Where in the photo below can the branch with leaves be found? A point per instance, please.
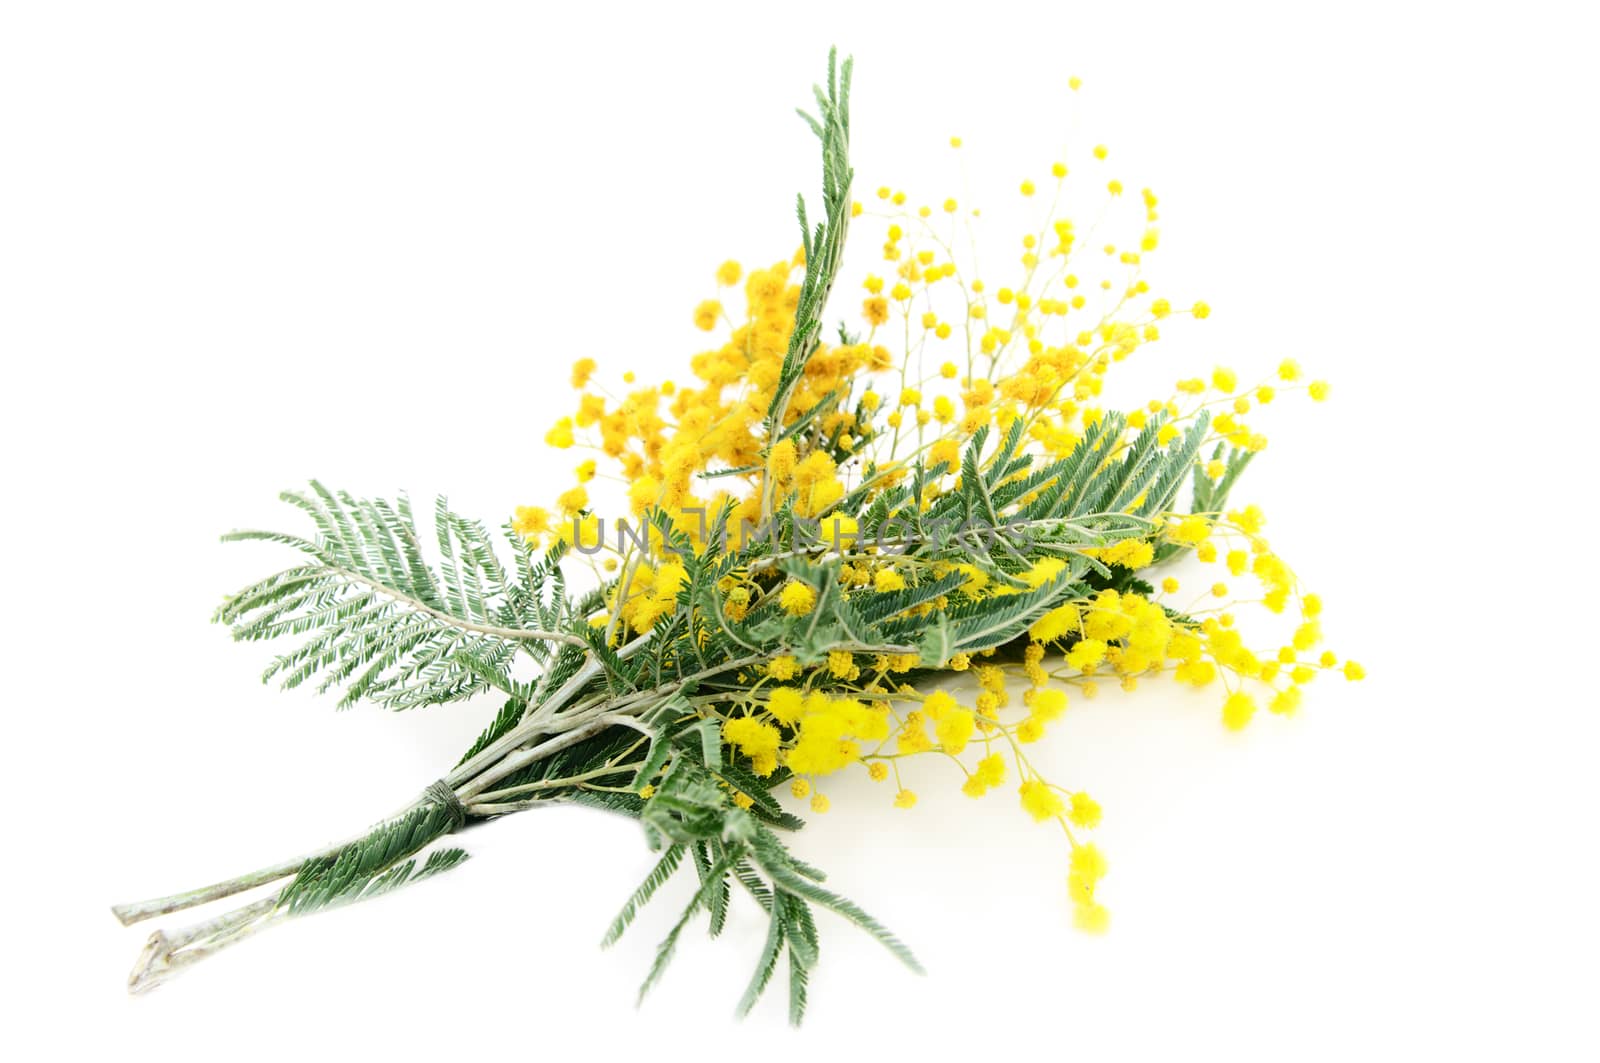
(688, 676)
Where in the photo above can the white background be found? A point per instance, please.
(242, 245)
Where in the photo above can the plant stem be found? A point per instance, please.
(542, 721)
(128, 914)
(168, 952)
(164, 955)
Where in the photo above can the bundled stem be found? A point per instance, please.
(441, 809)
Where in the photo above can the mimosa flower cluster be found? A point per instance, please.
(936, 355)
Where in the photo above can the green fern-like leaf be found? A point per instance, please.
(376, 618)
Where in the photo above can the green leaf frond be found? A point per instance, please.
(690, 813)
(375, 617)
(379, 862)
(824, 246)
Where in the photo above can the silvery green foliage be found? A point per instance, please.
(389, 616)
